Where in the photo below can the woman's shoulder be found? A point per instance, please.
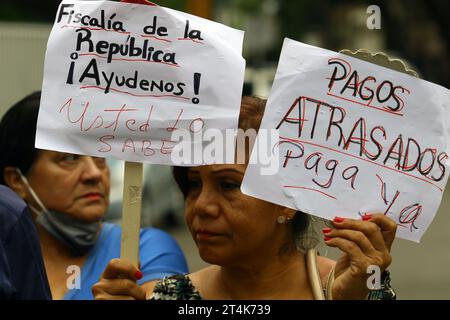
(155, 233)
(176, 287)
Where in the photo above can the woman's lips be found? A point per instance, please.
(93, 196)
(207, 235)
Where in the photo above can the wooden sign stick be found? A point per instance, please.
(131, 211)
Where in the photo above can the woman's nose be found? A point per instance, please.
(206, 204)
(91, 171)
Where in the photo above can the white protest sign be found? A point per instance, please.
(355, 138)
(120, 78)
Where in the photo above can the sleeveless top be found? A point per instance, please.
(180, 287)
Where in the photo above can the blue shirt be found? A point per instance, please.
(22, 271)
(159, 254)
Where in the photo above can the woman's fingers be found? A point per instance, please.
(105, 296)
(356, 237)
(368, 236)
(118, 288)
(349, 247)
(118, 282)
(388, 227)
(350, 275)
(121, 268)
(107, 289)
(370, 230)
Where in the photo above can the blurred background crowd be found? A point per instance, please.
(415, 31)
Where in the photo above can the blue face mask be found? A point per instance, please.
(78, 236)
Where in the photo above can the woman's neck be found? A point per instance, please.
(50, 246)
(284, 277)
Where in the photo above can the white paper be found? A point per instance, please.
(153, 91)
(328, 179)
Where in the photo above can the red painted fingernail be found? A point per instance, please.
(326, 230)
(338, 219)
(326, 239)
(367, 217)
(138, 275)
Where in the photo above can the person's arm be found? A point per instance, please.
(161, 260)
(365, 243)
(21, 264)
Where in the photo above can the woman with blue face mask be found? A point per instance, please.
(68, 196)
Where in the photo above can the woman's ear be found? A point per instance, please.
(288, 213)
(13, 180)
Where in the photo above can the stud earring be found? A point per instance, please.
(281, 219)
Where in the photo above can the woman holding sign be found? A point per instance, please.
(259, 250)
(69, 196)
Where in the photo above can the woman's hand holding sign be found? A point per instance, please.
(118, 282)
(365, 243)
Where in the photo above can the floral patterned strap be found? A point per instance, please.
(176, 287)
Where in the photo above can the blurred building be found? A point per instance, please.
(22, 52)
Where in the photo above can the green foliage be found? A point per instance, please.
(9, 13)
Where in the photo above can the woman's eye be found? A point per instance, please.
(229, 185)
(194, 183)
(70, 157)
(100, 162)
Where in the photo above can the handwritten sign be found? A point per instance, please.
(355, 138)
(121, 78)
